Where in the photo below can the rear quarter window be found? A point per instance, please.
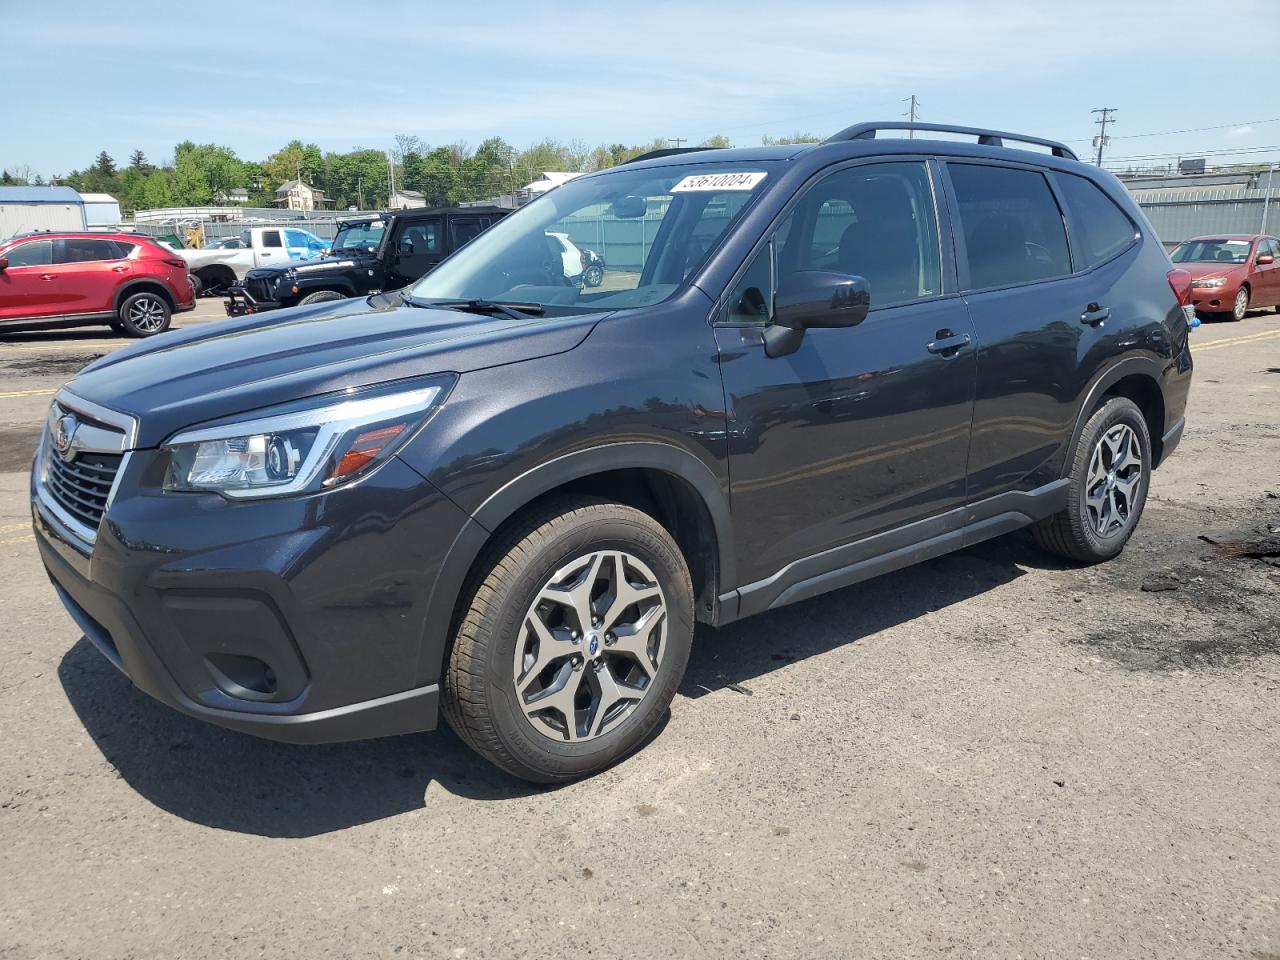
(1099, 228)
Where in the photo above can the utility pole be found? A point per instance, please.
(912, 114)
(391, 180)
(677, 142)
(1101, 140)
(1266, 201)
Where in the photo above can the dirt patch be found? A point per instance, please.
(51, 366)
(17, 450)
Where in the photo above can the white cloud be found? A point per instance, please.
(1245, 131)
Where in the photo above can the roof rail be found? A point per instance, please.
(667, 152)
(989, 138)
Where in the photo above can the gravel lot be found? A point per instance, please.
(994, 754)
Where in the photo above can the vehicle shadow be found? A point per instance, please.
(735, 655)
(233, 781)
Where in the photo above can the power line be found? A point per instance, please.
(1100, 140)
(1225, 152)
(1170, 133)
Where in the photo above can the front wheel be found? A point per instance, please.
(144, 314)
(594, 275)
(320, 296)
(1110, 475)
(576, 637)
(1241, 305)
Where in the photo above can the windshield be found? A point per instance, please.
(651, 227)
(362, 235)
(1211, 251)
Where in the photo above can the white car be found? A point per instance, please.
(218, 268)
(575, 261)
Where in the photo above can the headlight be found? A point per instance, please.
(301, 448)
(1212, 284)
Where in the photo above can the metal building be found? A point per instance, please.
(40, 208)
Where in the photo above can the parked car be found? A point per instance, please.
(593, 275)
(574, 260)
(507, 499)
(368, 255)
(216, 268)
(1231, 274)
(125, 280)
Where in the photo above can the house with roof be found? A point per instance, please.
(297, 195)
(406, 200)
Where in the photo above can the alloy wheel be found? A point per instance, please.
(590, 646)
(1242, 303)
(1115, 481)
(147, 314)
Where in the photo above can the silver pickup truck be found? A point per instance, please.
(214, 269)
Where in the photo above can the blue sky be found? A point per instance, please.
(82, 77)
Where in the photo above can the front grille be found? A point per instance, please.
(258, 290)
(81, 486)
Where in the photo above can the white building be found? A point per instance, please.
(23, 209)
(100, 209)
(548, 181)
(296, 195)
(406, 200)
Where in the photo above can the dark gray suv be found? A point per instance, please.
(507, 497)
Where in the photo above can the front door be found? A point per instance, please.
(865, 429)
(29, 286)
(416, 247)
(269, 248)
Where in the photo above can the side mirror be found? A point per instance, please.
(814, 298)
(1265, 259)
(4, 263)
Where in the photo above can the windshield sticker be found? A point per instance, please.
(718, 181)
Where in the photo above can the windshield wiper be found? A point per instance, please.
(511, 309)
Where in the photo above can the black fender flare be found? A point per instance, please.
(505, 502)
(342, 285)
(130, 287)
(1104, 381)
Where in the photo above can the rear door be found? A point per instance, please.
(28, 286)
(89, 271)
(862, 430)
(464, 229)
(1044, 325)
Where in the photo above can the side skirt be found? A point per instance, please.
(895, 549)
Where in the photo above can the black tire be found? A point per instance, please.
(594, 275)
(479, 699)
(144, 314)
(197, 287)
(321, 296)
(1072, 532)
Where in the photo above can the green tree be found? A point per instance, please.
(796, 137)
(357, 178)
(434, 175)
(717, 141)
(293, 160)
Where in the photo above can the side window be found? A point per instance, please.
(81, 250)
(751, 300)
(876, 221)
(464, 230)
(124, 250)
(1270, 248)
(271, 238)
(37, 253)
(1013, 229)
(1099, 228)
(418, 246)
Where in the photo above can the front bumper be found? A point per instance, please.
(239, 302)
(296, 620)
(1213, 300)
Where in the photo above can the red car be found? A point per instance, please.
(1231, 273)
(70, 279)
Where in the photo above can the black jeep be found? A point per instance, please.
(369, 255)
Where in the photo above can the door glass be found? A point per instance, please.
(79, 250)
(876, 221)
(417, 247)
(1099, 228)
(1012, 226)
(751, 300)
(464, 230)
(271, 238)
(38, 253)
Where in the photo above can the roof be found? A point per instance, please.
(98, 198)
(38, 195)
(1229, 236)
(408, 193)
(290, 184)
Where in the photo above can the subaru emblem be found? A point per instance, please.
(64, 435)
(594, 646)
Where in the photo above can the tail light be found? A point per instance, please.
(1180, 284)
(175, 261)
(582, 258)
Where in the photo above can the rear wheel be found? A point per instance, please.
(321, 296)
(1241, 305)
(196, 286)
(144, 314)
(576, 637)
(1110, 474)
(594, 275)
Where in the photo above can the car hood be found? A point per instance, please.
(1206, 271)
(230, 367)
(306, 266)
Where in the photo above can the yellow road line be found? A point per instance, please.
(9, 395)
(10, 527)
(1251, 338)
(27, 539)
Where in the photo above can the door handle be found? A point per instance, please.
(119, 269)
(1095, 315)
(948, 344)
(48, 276)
